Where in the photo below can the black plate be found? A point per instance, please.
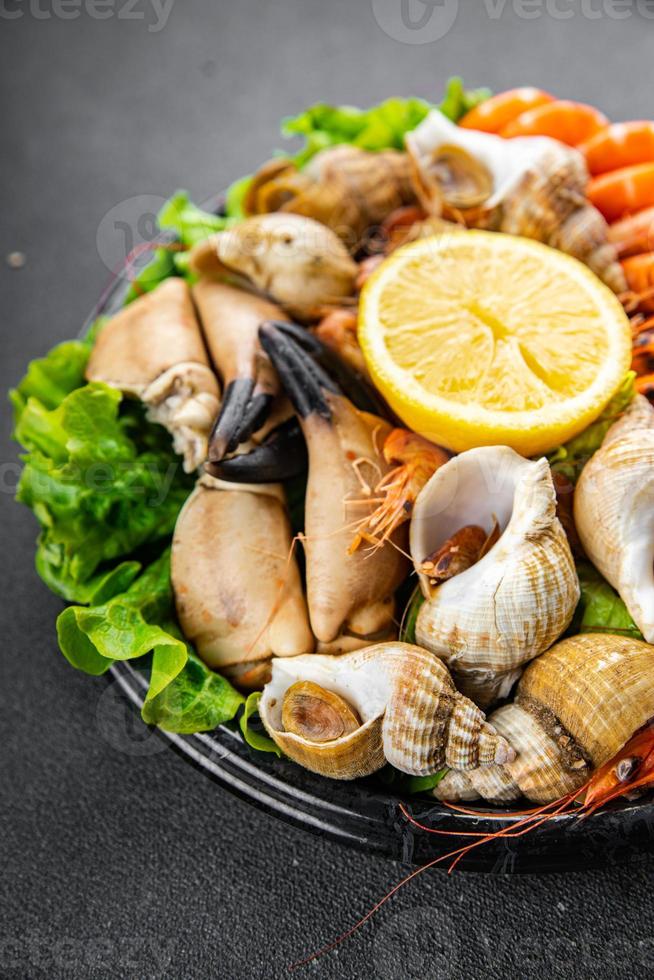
(362, 816)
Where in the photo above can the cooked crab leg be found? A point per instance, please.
(350, 596)
(153, 350)
(282, 453)
(230, 319)
(237, 585)
(280, 456)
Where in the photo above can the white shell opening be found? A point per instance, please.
(477, 487)
(361, 685)
(506, 160)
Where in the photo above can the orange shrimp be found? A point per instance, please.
(338, 331)
(568, 122)
(642, 359)
(639, 273)
(645, 385)
(623, 191)
(416, 461)
(634, 234)
(497, 112)
(619, 145)
(632, 768)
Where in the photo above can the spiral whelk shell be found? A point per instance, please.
(614, 511)
(576, 706)
(346, 188)
(510, 606)
(411, 714)
(538, 191)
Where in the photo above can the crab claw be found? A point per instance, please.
(351, 382)
(350, 595)
(230, 320)
(153, 349)
(236, 581)
(281, 455)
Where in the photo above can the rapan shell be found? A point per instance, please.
(539, 191)
(411, 714)
(614, 511)
(491, 619)
(575, 708)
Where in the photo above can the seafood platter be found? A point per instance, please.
(349, 480)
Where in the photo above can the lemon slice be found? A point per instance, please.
(477, 338)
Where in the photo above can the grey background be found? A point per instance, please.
(118, 859)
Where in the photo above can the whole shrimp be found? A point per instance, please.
(413, 460)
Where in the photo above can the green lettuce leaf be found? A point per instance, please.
(254, 734)
(126, 628)
(408, 624)
(458, 99)
(600, 608)
(161, 266)
(235, 195)
(102, 482)
(407, 785)
(381, 127)
(188, 224)
(196, 700)
(571, 457)
(49, 379)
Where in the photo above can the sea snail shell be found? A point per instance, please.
(411, 715)
(510, 606)
(575, 708)
(538, 190)
(614, 511)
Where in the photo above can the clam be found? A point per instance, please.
(346, 716)
(296, 261)
(517, 599)
(614, 511)
(575, 707)
(531, 186)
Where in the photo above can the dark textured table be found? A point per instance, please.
(118, 859)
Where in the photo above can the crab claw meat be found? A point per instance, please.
(230, 320)
(236, 582)
(153, 349)
(282, 455)
(352, 383)
(350, 595)
(304, 380)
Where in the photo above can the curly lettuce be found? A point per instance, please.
(381, 127)
(183, 695)
(187, 224)
(101, 481)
